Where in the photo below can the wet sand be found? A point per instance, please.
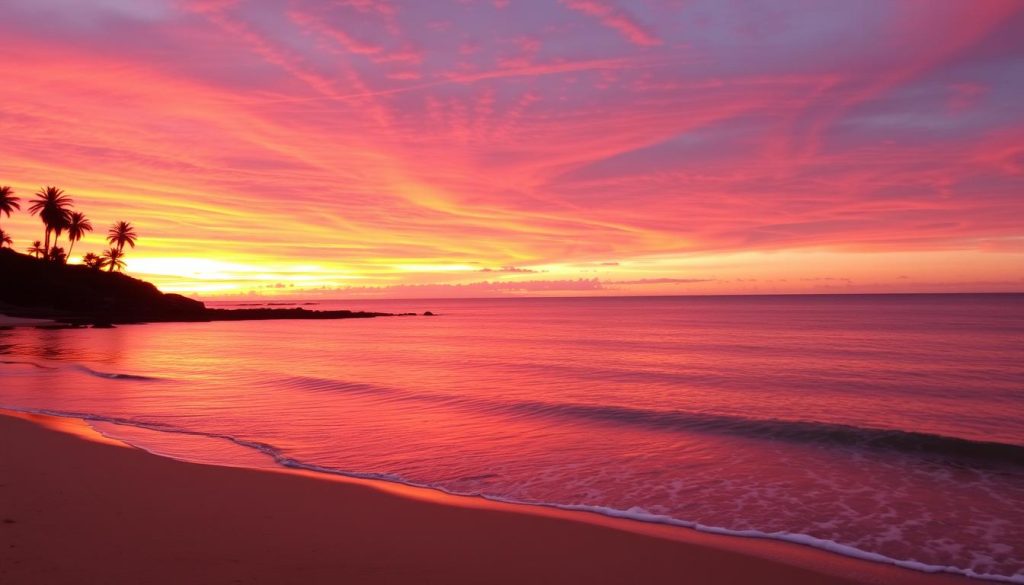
(82, 511)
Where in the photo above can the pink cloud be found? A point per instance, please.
(964, 96)
(376, 53)
(378, 6)
(534, 70)
(354, 139)
(617, 19)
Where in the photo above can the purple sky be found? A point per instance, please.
(657, 146)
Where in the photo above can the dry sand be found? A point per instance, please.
(80, 511)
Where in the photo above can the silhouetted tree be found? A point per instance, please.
(93, 261)
(122, 233)
(5, 239)
(37, 249)
(59, 227)
(113, 259)
(57, 254)
(8, 202)
(53, 207)
(78, 224)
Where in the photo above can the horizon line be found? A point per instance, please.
(577, 297)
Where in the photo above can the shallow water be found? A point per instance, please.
(886, 427)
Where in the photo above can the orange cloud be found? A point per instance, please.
(359, 144)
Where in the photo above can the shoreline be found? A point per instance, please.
(117, 488)
(79, 296)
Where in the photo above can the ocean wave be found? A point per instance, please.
(910, 442)
(85, 370)
(635, 513)
(114, 376)
(24, 363)
(950, 448)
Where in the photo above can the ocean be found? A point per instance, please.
(886, 427)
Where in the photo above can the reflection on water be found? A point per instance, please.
(888, 425)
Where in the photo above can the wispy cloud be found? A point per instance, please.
(660, 281)
(509, 270)
(365, 143)
(615, 18)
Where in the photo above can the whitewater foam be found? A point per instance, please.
(635, 513)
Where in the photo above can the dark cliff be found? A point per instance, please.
(77, 294)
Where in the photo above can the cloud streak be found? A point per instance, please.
(378, 144)
(617, 19)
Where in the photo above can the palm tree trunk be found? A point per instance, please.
(46, 247)
(71, 247)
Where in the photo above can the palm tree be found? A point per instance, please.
(113, 259)
(52, 205)
(37, 249)
(93, 261)
(8, 202)
(78, 224)
(5, 239)
(122, 233)
(60, 224)
(58, 255)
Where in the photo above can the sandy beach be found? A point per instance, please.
(80, 511)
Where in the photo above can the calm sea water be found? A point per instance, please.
(885, 427)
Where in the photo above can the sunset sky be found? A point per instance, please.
(360, 148)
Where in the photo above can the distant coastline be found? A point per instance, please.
(81, 296)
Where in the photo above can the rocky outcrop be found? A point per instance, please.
(79, 295)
